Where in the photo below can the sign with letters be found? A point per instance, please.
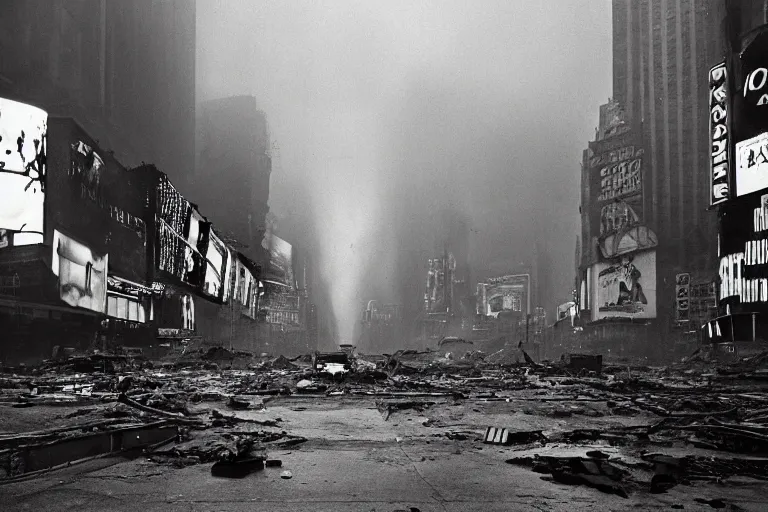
(718, 131)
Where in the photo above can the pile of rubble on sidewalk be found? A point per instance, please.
(194, 407)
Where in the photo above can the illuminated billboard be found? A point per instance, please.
(626, 287)
(82, 273)
(752, 165)
(23, 133)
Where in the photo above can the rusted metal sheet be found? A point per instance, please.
(25, 459)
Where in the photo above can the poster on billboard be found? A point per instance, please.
(23, 140)
(280, 266)
(507, 293)
(626, 287)
(81, 272)
(216, 259)
(752, 165)
(506, 297)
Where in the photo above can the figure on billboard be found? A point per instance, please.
(620, 289)
(630, 289)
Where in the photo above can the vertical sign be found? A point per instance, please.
(718, 131)
(683, 297)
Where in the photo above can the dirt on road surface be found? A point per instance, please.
(408, 431)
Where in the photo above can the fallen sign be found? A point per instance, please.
(28, 459)
(502, 436)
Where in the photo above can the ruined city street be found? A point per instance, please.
(410, 431)
(338, 255)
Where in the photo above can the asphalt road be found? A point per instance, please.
(355, 460)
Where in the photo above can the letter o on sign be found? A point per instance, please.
(762, 73)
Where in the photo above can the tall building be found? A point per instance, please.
(125, 71)
(646, 221)
(234, 169)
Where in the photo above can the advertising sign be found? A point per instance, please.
(103, 206)
(216, 260)
(616, 183)
(751, 99)
(703, 305)
(23, 144)
(744, 252)
(718, 131)
(173, 212)
(280, 266)
(682, 297)
(509, 293)
(752, 165)
(82, 273)
(626, 288)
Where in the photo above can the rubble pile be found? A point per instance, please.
(717, 414)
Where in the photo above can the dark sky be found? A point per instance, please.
(387, 112)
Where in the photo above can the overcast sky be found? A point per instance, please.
(387, 111)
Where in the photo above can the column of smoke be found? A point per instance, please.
(389, 113)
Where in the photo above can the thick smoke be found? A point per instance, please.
(393, 116)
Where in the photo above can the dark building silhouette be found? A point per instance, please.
(234, 168)
(645, 197)
(125, 71)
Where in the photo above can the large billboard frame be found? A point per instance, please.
(23, 172)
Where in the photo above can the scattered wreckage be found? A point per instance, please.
(190, 410)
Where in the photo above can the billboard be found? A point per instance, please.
(23, 145)
(81, 272)
(215, 268)
(280, 268)
(615, 169)
(718, 131)
(172, 219)
(750, 99)
(626, 287)
(744, 252)
(752, 165)
(104, 204)
(508, 293)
